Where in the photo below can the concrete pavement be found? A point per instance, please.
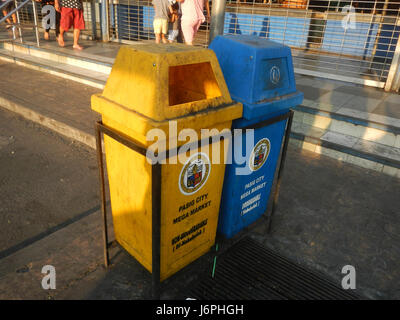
(330, 214)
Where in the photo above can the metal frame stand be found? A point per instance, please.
(156, 202)
(156, 189)
(289, 116)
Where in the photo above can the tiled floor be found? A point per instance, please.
(389, 109)
(365, 102)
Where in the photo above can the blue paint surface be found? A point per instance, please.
(293, 32)
(387, 42)
(255, 70)
(245, 197)
(269, 27)
(356, 42)
(259, 73)
(135, 22)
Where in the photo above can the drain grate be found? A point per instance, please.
(249, 271)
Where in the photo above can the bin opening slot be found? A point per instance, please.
(192, 82)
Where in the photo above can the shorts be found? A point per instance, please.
(71, 17)
(190, 28)
(160, 26)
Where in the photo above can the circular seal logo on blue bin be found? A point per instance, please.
(275, 75)
(194, 173)
(259, 154)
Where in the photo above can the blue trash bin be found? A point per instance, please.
(259, 73)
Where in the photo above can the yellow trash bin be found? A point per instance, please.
(169, 88)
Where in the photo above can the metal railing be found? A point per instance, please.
(346, 40)
(355, 41)
(30, 14)
(19, 24)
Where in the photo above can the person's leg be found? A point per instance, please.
(65, 24)
(164, 30)
(9, 7)
(58, 18)
(6, 10)
(188, 31)
(76, 39)
(170, 36)
(173, 31)
(158, 37)
(170, 32)
(173, 35)
(46, 33)
(60, 38)
(180, 38)
(196, 28)
(14, 17)
(79, 24)
(157, 29)
(6, 13)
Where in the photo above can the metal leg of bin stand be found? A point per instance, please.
(102, 193)
(156, 203)
(156, 229)
(280, 170)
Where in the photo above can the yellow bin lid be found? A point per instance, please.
(151, 84)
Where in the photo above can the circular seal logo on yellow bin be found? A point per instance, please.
(194, 173)
(259, 154)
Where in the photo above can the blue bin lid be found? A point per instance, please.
(258, 72)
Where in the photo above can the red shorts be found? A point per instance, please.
(72, 18)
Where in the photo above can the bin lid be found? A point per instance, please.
(256, 70)
(165, 81)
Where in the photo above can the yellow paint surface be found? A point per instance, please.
(150, 86)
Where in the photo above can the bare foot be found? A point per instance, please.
(77, 46)
(60, 40)
(46, 36)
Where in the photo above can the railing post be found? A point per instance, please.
(35, 17)
(93, 18)
(217, 18)
(105, 21)
(393, 78)
(18, 21)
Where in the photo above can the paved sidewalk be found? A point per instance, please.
(59, 104)
(329, 215)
